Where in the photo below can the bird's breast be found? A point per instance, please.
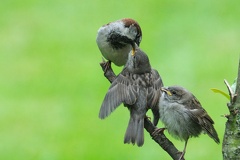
(117, 56)
(177, 120)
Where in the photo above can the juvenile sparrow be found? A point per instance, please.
(138, 87)
(114, 40)
(184, 116)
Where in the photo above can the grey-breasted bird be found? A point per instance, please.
(184, 116)
(115, 40)
(138, 87)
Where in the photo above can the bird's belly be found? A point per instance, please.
(179, 123)
(117, 56)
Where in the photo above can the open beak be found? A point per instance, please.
(166, 90)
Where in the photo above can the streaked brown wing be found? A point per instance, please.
(154, 91)
(203, 119)
(122, 90)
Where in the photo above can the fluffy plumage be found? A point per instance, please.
(183, 115)
(113, 39)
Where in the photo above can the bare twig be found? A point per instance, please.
(231, 93)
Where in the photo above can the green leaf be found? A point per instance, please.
(215, 90)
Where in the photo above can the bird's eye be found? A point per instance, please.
(174, 92)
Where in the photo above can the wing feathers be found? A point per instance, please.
(122, 90)
(205, 121)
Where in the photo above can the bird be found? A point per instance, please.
(138, 87)
(114, 38)
(183, 115)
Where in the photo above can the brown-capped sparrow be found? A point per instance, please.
(116, 39)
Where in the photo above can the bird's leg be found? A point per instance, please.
(157, 131)
(184, 150)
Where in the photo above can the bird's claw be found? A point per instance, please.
(105, 65)
(157, 132)
(225, 115)
(148, 117)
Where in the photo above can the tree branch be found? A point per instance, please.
(160, 138)
(231, 141)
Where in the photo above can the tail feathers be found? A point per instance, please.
(135, 132)
(213, 134)
(209, 129)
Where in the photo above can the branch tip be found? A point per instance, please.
(231, 93)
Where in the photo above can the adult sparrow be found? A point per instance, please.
(115, 40)
(138, 87)
(183, 115)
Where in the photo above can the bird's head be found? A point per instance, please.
(176, 93)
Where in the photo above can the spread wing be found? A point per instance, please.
(203, 119)
(122, 90)
(154, 93)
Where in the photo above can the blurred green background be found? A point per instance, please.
(51, 84)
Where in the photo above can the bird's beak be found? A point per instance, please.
(166, 90)
(133, 49)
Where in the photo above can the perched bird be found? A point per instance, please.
(138, 87)
(115, 40)
(184, 116)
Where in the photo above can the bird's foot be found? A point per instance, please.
(157, 132)
(105, 65)
(107, 69)
(225, 115)
(148, 117)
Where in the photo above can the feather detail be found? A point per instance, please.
(122, 90)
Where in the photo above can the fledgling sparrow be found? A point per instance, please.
(184, 116)
(114, 38)
(138, 87)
